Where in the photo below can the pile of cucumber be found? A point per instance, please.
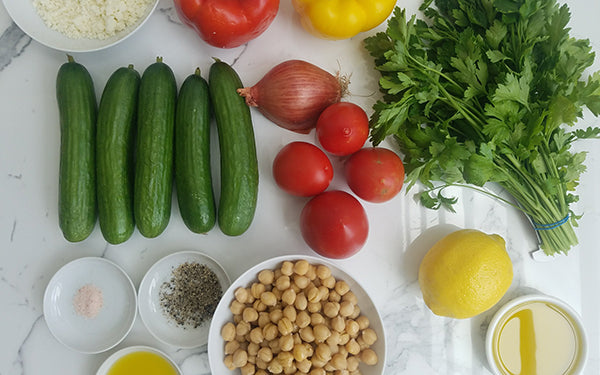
(120, 159)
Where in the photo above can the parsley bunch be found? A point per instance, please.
(481, 93)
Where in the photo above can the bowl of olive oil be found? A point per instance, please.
(139, 360)
(536, 335)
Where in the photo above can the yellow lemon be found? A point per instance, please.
(465, 273)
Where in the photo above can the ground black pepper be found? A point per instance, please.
(192, 294)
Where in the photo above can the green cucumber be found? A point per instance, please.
(153, 185)
(114, 154)
(239, 165)
(193, 179)
(77, 109)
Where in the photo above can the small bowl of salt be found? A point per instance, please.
(79, 26)
(90, 305)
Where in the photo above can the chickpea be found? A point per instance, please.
(268, 298)
(352, 362)
(341, 372)
(241, 295)
(342, 287)
(346, 308)
(290, 370)
(301, 281)
(301, 302)
(277, 293)
(257, 289)
(350, 297)
(338, 361)
(228, 362)
(286, 359)
(275, 367)
(261, 371)
(242, 328)
(270, 331)
(316, 318)
(323, 293)
(369, 336)
(331, 309)
(265, 354)
(256, 335)
(321, 332)
(261, 365)
(301, 267)
(344, 338)
(334, 296)
(236, 307)
(286, 342)
(307, 334)
(297, 339)
(240, 358)
(311, 273)
(263, 318)
(314, 307)
(356, 312)
(368, 356)
(338, 323)
(231, 347)
(322, 352)
(228, 332)
(352, 347)
(300, 352)
(283, 282)
(290, 312)
(288, 296)
(313, 294)
(259, 306)
(303, 366)
(287, 268)
(302, 319)
(334, 339)
(266, 277)
(274, 345)
(323, 272)
(276, 315)
(352, 328)
(317, 363)
(252, 351)
(249, 369)
(250, 315)
(329, 282)
(285, 326)
(363, 322)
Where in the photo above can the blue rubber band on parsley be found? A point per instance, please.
(480, 93)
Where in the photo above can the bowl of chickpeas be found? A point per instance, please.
(296, 315)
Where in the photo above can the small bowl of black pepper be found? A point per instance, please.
(179, 295)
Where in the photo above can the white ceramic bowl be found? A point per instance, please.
(155, 320)
(499, 319)
(107, 364)
(115, 318)
(24, 14)
(223, 314)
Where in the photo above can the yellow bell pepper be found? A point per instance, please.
(342, 19)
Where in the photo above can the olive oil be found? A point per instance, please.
(142, 363)
(537, 338)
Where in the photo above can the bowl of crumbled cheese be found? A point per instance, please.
(79, 26)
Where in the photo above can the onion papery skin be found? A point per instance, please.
(294, 93)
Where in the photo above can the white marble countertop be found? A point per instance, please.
(32, 248)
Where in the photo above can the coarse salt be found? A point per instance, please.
(92, 19)
(88, 301)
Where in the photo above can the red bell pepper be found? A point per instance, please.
(227, 23)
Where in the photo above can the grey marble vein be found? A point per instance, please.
(13, 42)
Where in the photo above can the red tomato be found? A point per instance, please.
(227, 23)
(342, 128)
(375, 174)
(302, 169)
(334, 224)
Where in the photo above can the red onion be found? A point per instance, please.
(294, 93)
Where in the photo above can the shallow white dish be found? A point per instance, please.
(114, 320)
(24, 14)
(223, 314)
(155, 320)
(510, 307)
(107, 364)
